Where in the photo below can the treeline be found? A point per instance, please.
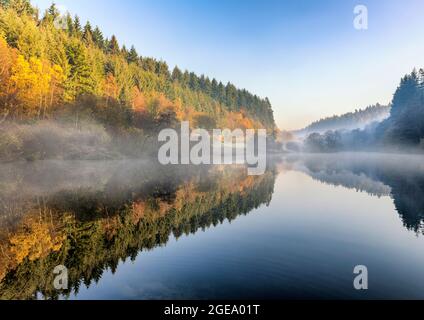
(402, 130)
(405, 126)
(53, 66)
(350, 121)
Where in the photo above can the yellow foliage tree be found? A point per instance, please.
(36, 242)
(7, 60)
(37, 85)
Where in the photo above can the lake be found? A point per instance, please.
(138, 230)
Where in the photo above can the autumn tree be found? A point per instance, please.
(37, 85)
(20, 6)
(7, 60)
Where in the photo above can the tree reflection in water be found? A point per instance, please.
(90, 216)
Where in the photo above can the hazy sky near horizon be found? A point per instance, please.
(305, 55)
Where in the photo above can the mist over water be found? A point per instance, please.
(139, 230)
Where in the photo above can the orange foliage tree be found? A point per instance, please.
(7, 60)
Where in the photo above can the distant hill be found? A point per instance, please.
(402, 130)
(349, 121)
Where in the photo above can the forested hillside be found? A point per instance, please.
(405, 126)
(350, 121)
(52, 67)
(402, 130)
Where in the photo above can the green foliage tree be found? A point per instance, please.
(53, 12)
(98, 38)
(88, 33)
(113, 46)
(80, 79)
(132, 56)
(177, 75)
(77, 29)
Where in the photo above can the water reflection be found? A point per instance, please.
(92, 216)
(399, 176)
(89, 216)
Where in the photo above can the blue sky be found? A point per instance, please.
(306, 56)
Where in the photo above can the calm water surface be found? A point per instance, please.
(127, 231)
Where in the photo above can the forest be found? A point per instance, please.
(358, 119)
(59, 73)
(403, 130)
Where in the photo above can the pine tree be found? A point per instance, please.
(132, 56)
(88, 33)
(113, 46)
(162, 69)
(194, 82)
(70, 24)
(124, 52)
(53, 12)
(177, 75)
(98, 37)
(214, 89)
(81, 80)
(207, 87)
(221, 92)
(77, 27)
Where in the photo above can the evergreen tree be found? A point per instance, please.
(124, 52)
(231, 95)
(70, 24)
(80, 81)
(148, 64)
(113, 46)
(186, 78)
(98, 38)
(221, 92)
(177, 75)
(53, 12)
(207, 86)
(194, 82)
(162, 69)
(214, 89)
(88, 33)
(132, 56)
(77, 27)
